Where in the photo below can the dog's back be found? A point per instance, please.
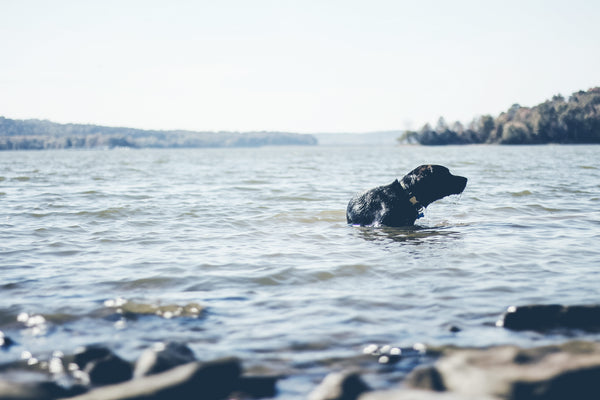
(384, 205)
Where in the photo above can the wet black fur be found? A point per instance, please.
(391, 205)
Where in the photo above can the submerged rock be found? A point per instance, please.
(131, 310)
(571, 370)
(454, 329)
(547, 317)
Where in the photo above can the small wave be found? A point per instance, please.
(107, 213)
(255, 182)
(60, 253)
(540, 207)
(521, 193)
(246, 188)
(331, 216)
(294, 199)
(325, 216)
(282, 277)
(39, 215)
(345, 270)
(146, 283)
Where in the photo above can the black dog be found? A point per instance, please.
(400, 203)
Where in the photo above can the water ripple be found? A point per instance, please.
(259, 238)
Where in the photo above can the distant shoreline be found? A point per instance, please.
(558, 121)
(36, 134)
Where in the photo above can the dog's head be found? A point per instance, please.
(429, 183)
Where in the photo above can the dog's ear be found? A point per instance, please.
(415, 175)
(429, 183)
(420, 173)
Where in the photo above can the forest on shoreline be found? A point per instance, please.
(576, 120)
(34, 134)
(562, 121)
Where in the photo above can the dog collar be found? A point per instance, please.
(413, 199)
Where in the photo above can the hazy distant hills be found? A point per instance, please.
(33, 134)
(356, 139)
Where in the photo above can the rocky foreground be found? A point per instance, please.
(568, 371)
(170, 370)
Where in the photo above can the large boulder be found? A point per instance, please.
(568, 371)
(553, 316)
(102, 366)
(208, 381)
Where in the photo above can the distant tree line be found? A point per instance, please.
(36, 134)
(553, 121)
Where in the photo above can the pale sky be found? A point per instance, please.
(298, 66)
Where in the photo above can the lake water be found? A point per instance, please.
(259, 238)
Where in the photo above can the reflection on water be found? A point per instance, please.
(410, 235)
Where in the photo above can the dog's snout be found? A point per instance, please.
(461, 183)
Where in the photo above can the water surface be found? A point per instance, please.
(258, 237)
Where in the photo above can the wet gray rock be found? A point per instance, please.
(5, 341)
(30, 390)
(209, 381)
(162, 357)
(90, 353)
(101, 375)
(26, 385)
(165, 356)
(339, 386)
(111, 369)
(103, 366)
(257, 386)
(571, 370)
(547, 317)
